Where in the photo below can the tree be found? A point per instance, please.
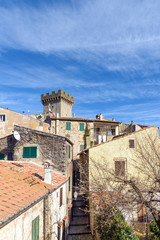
(136, 189)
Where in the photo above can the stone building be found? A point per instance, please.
(30, 206)
(9, 118)
(59, 104)
(39, 147)
(83, 132)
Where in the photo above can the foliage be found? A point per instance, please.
(155, 232)
(114, 228)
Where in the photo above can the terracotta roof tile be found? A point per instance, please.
(20, 186)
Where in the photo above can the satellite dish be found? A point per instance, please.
(16, 135)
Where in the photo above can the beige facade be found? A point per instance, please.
(95, 162)
(119, 149)
(21, 227)
(9, 118)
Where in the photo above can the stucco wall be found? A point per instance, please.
(13, 118)
(108, 152)
(21, 227)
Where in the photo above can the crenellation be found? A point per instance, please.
(60, 103)
(54, 96)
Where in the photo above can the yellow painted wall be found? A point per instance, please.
(14, 118)
(108, 152)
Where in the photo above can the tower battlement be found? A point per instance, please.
(57, 96)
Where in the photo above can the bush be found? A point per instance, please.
(114, 228)
(155, 233)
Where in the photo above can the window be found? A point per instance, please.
(35, 229)
(131, 143)
(1, 156)
(120, 168)
(29, 152)
(2, 118)
(69, 151)
(81, 148)
(111, 132)
(61, 197)
(69, 184)
(10, 156)
(81, 126)
(68, 126)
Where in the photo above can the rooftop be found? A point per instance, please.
(21, 185)
(85, 120)
(42, 133)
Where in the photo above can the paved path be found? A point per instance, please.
(79, 228)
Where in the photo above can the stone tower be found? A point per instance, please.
(60, 104)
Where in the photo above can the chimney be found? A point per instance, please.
(100, 116)
(74, 115)
(47, 173)
(113, 119)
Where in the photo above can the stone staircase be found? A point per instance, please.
(79, 228)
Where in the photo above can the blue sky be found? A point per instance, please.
(105, 53)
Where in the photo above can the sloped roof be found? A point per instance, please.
(16, 127)
(85, 120)
(21, 185)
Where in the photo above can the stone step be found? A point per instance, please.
(75, 230)
(79, 204)
(79, 212)
(80, 237)
(83, 220)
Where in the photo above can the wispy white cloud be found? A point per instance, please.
(92, 30)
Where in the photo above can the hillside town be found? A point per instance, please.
(60, 174)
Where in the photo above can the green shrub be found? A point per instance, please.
(114, 228)
(155, 233)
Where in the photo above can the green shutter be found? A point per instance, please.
(69, 184)
(68, 126)
(1, 156)
(35, 229)
(25, 152)
(29, 152)
(69, 151)
(81, 126)
(33, 152)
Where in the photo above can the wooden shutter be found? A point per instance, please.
(61, 196)
(68, 125)
(35, 229)
(33, 152)
(81, 126)
(29, 152)
(69, 151)
(25, 152)
(131, 143)
(120, 168)
(69, 184)
(1, 156)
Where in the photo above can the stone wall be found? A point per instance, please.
(49, 147)
(75, 135)
(60, 103)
